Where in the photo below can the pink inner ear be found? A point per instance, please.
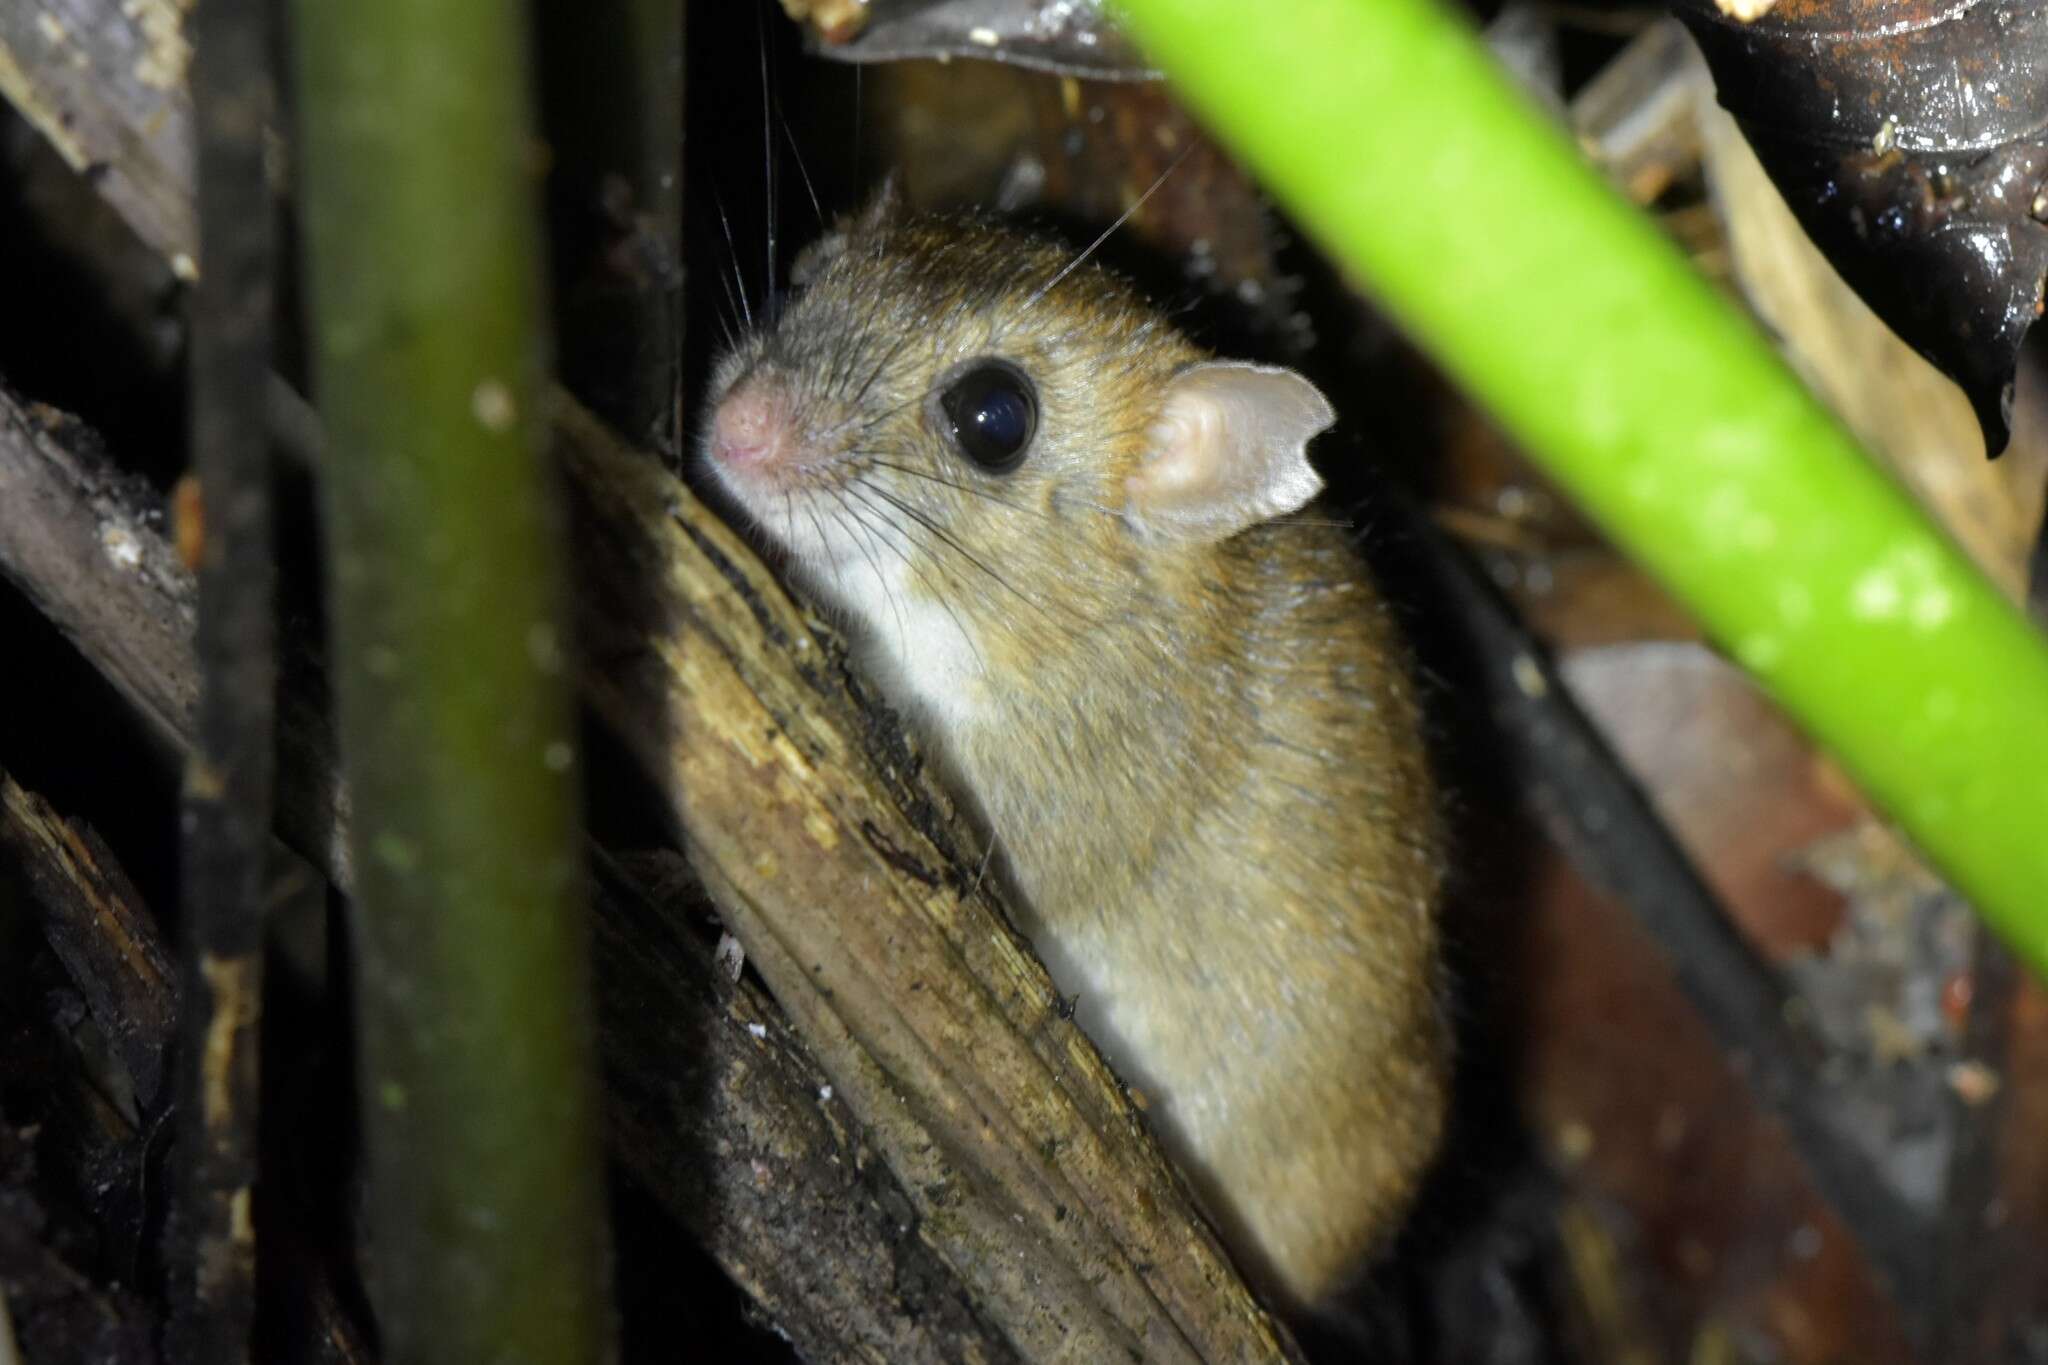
(1228, 450)
(1186, 449)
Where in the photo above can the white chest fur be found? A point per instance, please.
(912, 641)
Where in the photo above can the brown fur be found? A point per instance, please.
(1202, 763)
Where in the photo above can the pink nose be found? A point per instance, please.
(752, 426)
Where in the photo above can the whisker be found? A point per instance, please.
(868, 426)
(922, 578)
(728, 321)
(986, 493)
(767, 153)
(729, 316)
(824, 546)
(948, 539)
(938, 596)
(968, 489)
(810, 190)
(982, 871)
(732, 249)
(848, 354)
(1107, 232)
(880, 365)
(881, 580)
(878, 462)
(867, 423)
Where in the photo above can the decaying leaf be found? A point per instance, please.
(1070, 37)
(1911, 139)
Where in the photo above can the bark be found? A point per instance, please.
(104, 82)
(100, 930)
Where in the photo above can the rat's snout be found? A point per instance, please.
(754, 427)
(766, 435)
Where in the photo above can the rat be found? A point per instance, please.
(1068, 546)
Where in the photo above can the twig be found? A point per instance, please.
(228, 776)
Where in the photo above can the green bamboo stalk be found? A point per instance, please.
(1386, 129)
(445, 567)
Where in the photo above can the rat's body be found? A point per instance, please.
(1184, 715)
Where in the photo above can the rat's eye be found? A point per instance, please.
(992, 413)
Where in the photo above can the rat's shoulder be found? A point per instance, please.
(1307, 560)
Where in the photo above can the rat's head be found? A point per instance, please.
(964, 443)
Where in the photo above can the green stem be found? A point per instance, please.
(445, 567)
(1386, 129)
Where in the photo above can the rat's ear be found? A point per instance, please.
(816, 257)
(1229, 450)
(886, 203)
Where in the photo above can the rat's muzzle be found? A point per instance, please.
(764, 438)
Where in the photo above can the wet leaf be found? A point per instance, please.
(1069, 37)
(1911, 139)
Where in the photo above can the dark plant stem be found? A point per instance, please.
(228, 778)
(1582, 796)
(1977, 1295)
